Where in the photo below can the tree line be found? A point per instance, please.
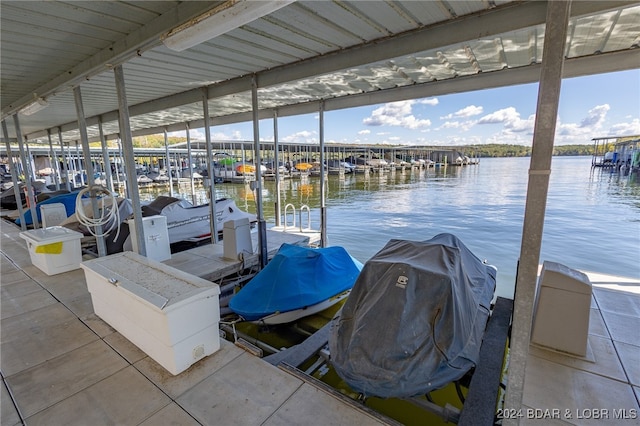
(506, 150)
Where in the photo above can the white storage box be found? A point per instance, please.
(170, 315)
(155, 235)
(236, 238)
(562, 311)
(55, 249)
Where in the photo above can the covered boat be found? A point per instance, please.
(414, 320)
(297, 282)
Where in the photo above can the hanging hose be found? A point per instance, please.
(109, 217)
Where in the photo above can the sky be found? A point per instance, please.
(592, 106)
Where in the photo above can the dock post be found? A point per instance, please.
(557, 20)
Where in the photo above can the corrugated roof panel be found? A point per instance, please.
(195, 65)
(383, 77)
(139, 12)
(304, 21)
(231, 104)
(383, 15)
(414, 70)
(588, 33)
(538, 47)
(466, 7)
(426, 12)
(627, 25)
(281, 46)
(244, 47)
(488, 54)
(519, 47)
(271, 30)
(74, 18)
(435, 67)
(44, 40)
(237, 60)
(273, 97)
(356, 82)
(173, 77)
(457, 60)
(48, 39)
(345, 18)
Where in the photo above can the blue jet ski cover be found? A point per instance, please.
(295, 278)
(68, 200)
(414, 320)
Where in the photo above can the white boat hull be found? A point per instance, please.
(296, 314)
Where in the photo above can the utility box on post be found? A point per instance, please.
(563, 306)
(236, 238)
(156, 237)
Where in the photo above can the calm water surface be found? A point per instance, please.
(592, 219)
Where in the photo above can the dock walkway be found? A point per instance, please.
(61, 364)
(602, 388)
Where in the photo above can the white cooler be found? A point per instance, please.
(54, 250)
(170, 315)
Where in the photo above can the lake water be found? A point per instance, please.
(592, 220)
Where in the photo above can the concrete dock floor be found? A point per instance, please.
(61, 364)
(602, 388)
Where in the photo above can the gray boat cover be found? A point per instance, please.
(414, 320)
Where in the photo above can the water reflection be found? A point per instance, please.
(591, 222)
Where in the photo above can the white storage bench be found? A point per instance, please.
(170, 315)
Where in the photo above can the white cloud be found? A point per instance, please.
(595, 117)
(194, 134)
(364, 132)
(468, 111)
(510, 119)
(450, 125)
(429, 101)
(304, 136)
(501, 116)
(625, 129)
(396, 114)
(235, 135)
(580, 133)
(462, 125)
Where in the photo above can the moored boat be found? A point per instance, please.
(415, 319)
(188, 223)
(297, 282)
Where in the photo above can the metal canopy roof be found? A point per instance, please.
(343, 53)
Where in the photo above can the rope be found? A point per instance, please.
(109, 217)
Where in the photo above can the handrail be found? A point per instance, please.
(302, 208)
(293, 215)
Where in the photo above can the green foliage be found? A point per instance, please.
(155, 141)
(505, 150)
